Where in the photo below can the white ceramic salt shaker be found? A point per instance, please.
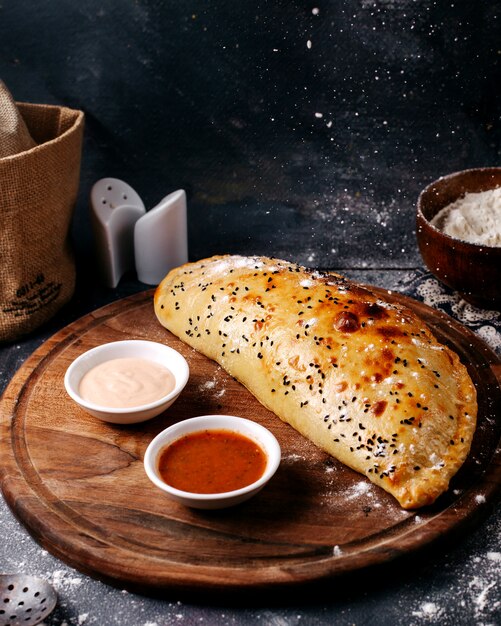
(161, 238)
(115, 209)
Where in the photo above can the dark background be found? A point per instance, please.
(224, 100)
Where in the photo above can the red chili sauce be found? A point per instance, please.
(211, 461)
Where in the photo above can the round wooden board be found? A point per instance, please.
(79, 486)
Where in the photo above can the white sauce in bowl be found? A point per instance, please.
(126, 382)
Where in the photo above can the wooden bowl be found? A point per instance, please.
(471, 269)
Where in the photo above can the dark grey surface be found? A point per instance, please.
(313, 152)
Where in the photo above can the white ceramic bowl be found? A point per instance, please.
(157, 352)
(248, 428)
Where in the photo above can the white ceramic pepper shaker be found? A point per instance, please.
(161, 238)
(115, 209)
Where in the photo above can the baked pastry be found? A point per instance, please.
(362, 378)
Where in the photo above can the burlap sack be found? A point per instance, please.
(14, 134)
(38, 191)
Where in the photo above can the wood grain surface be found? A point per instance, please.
(79, 486)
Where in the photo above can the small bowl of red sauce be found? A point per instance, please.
(126, 382)
(212, 461)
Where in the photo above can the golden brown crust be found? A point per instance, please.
(362, 378)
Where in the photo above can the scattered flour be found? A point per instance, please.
(64, 580)
(210, 386)
(428, 611)
(482, 590)
(360, 489)
(292, 458)
(476, 588)
(207, 385)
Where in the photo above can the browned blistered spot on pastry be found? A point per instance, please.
(373, 310)
(378, 408)
(328, 342)
(389, 331)
(387, 354)
(379, 366)
(294, 363)
(342, 386)
(346, 322)
(259, 323)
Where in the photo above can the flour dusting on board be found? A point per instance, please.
(359, 489)
(212, 387)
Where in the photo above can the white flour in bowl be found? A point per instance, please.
(476, 218)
